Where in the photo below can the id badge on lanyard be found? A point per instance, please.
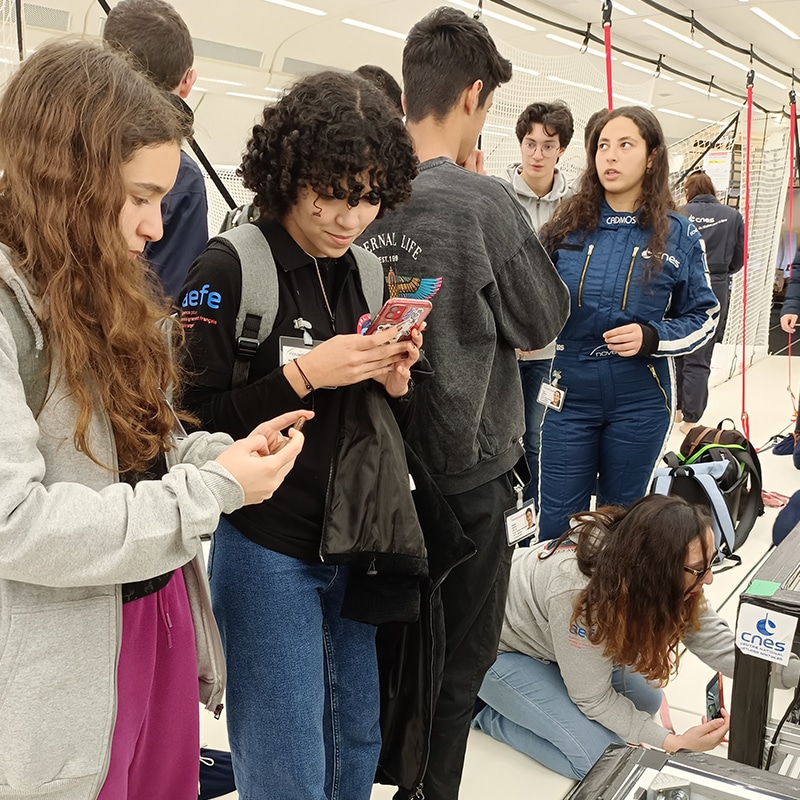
(552, 395)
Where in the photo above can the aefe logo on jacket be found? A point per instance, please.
(195, 298)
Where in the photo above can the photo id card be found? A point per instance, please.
(551, 396)
(293, 347)
(521, 523)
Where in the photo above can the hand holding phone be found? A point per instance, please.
(405, 313)
(714, 700)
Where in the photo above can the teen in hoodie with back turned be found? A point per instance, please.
(499, 291)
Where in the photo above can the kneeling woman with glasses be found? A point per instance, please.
(592, 626)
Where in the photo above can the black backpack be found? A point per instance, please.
(718, 468)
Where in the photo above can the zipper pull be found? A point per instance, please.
(371, 570)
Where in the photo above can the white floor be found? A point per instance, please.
(494, 770)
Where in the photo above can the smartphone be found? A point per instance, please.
(404, 312)
(714, 701)
(298, 426)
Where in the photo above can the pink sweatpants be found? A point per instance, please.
(156, 744)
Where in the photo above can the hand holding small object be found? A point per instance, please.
(261, 461)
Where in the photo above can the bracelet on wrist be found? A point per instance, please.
(306, 381)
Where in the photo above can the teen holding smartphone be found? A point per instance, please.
(105, 618)
(298, 580)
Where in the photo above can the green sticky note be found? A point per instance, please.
(763, 588)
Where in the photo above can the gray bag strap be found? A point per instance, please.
(31, 354)
(259, 304)
(258, 307)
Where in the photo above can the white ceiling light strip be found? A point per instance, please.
(576, 46)
(674, 113)
(249, 96)
(526, 70)
(566, 82)
(495, 15)
(357, 23)
(298, 7)
(772, 21)
(632, 100)
(623, 9)
(647, 71)
(697, 89)
(743, 68)
(219, 80)
(664, 29)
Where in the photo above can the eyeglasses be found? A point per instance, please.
(701, 573)
(546, 149)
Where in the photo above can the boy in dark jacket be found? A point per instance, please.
(498, 291)
(157, 38)
(722, 229)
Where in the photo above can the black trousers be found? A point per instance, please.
(692, 371)
(473, 596)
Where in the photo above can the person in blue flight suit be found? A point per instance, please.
(640, 294)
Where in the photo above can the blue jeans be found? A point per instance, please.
(528, 708)
(303, 697)
(532, 374)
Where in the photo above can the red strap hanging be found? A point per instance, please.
(750, 79)
(607, 37)
(790, 254)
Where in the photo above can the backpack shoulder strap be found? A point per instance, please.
(372, 278)
(259, 304)
(31, 352)
(753, 504)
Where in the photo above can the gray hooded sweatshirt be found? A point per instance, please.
(539, 209)
(537, 623)
(70, 534)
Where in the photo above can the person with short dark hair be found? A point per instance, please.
(544, 131)
(498, 291)
(384, 81)
(722, 229)
(593, 626)
(156, 37)
(640, 295)
(299, 583)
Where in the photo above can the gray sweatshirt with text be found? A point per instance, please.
(499, 290)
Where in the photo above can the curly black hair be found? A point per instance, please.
(326, 131)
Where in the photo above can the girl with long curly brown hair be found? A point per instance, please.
(592, 627)
(640, 295)
(105, 615)
(298, 582)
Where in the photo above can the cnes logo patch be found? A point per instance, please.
(765, 634)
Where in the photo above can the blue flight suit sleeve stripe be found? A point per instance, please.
(693, 314)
